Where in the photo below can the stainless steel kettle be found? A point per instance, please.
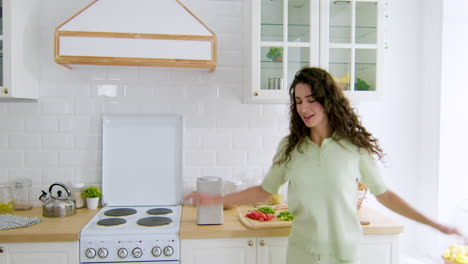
(58, 206)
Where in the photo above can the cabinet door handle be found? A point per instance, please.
(262, 243)
(2, 249)
(251, 243)
(5, 90)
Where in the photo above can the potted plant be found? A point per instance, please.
(275, 53)
(92, 195)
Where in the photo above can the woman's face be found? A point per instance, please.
(311, 111)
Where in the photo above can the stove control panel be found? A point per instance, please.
(118, 249)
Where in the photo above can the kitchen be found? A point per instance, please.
(58, 137)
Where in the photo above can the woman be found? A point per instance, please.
(325, 156)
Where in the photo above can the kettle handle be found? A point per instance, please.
(64, 187)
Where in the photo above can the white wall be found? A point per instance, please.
(58, 137)
(453, 176)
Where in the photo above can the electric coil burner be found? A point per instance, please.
(141, 184)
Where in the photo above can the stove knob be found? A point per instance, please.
(122, 253)
(102, 253)
(156, 251)
(137, 252)
(90, 253)
(168, 251)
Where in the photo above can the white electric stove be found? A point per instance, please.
(141, 179)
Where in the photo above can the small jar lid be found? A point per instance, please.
(77, 185)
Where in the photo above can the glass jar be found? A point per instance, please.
(22, 194)
(6, 199)
(76, 194)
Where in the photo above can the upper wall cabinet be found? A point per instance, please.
(19, 53)
(162, 33)
(344, 37)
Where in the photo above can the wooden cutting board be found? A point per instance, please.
(273, 223)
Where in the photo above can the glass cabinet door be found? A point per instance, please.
(285, 42)
(353, 43)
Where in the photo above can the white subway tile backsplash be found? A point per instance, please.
(138, 90)
(3, 176)
(88, 175)
(259, 158)
(191, 174)
(53, 175)
(231, 58)
(122, 73)
(79, 158)
(200, 158)
(40, 159)
(276, 111)
(192, 141)
(119, 107)
(217, 142)
(246, 142)
(59, 135)
(86, 106)
(154, 108)
(11, 123)
(3, 141)
(57, 106)
(40, 124)
(11, 159)
(231, 158)
(204, 92)
(232, 122)
(223, 172)
(57, 142)
(152, 75)
(81, 125)
(24, 141)
(23, 108)
(34, 174)
(86, 142)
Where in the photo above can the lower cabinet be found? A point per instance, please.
(40, 253)
(249, 250)
(272, 250)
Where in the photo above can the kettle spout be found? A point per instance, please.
(43, 196)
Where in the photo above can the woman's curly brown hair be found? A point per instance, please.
(342, 119)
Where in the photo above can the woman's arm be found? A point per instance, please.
(393, 202)
(247, 196)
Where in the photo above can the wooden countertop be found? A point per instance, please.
(51, 229)
(379, 224)
(68, 228)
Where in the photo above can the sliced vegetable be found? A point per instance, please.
(267, 210)
(285, 216)
(260, 216)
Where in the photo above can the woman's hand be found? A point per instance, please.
(204, 199)
(449, 230)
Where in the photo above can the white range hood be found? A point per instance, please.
(154, 33)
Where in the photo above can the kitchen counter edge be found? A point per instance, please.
(50, 229)
(232, 227)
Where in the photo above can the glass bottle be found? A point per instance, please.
(6, 199)
(22, 194)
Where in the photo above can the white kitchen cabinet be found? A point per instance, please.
(40, 253)
(382, 247)
(272, 250)
(19, 57)
(260, 250)
(344, 37)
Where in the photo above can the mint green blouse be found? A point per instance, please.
(322, 194)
